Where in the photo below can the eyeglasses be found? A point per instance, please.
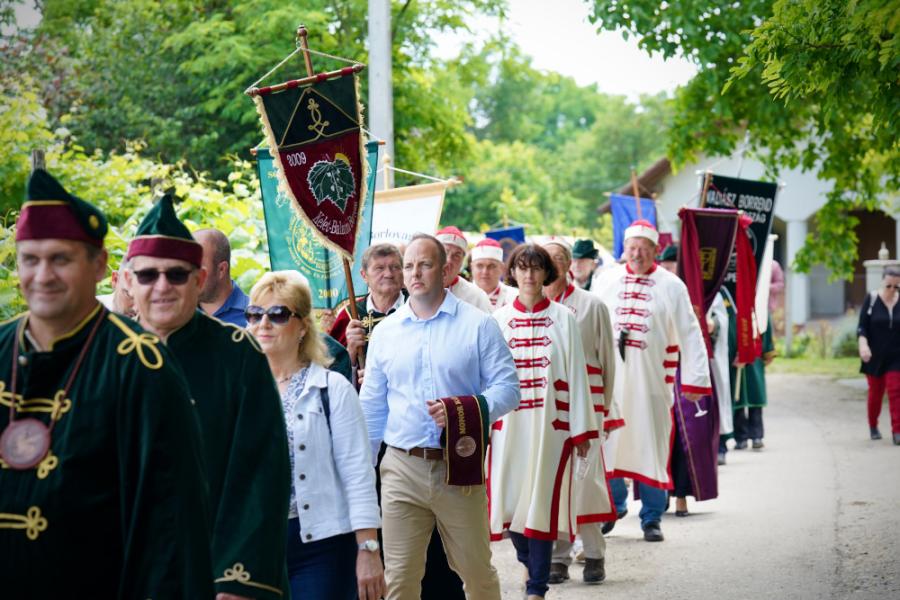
(278, 315)
(176, 276)
(888, 286)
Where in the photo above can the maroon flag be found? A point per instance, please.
(313, 132)
(749, 342)
(707, 241)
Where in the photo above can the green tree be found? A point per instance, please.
(815, 81)
(173, 73)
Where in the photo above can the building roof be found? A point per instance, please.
(647, 182)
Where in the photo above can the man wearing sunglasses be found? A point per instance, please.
(237, 403)
(102, 491)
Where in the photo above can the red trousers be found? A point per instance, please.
(877, 385)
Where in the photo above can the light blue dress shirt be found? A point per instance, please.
(459, 351)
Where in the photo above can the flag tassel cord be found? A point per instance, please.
(451, 181)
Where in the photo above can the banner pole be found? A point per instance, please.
(637, 194)
(302, 34)
(707, 180)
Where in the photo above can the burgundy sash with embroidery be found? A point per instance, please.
(465, 438)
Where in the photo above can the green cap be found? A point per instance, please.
(162, 235)
(584, 249)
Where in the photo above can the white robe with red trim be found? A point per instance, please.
(719, 366)
(655, 310)
(469, 292)
(502, 296)
(593, 499)
(531, 454)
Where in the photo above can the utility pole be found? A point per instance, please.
(381, 91)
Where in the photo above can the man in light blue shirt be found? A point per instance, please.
(433, 347)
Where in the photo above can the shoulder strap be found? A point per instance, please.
(326, 402)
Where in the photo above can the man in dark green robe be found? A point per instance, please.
(749, 402)
(116, 506)
(238, 404)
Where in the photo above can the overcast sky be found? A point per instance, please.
(559, 39)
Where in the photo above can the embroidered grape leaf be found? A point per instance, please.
(331, 180)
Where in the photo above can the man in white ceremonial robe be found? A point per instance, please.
(530, 462)
(717, 318)
(653, 321)
(487, 269)
(456, 246)
(593, 499)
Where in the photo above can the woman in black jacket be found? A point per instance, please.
(879, 349)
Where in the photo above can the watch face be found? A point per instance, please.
(370, 545)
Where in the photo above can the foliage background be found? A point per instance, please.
(133, 97)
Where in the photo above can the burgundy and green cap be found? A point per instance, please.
(162, 235)
(50, 212)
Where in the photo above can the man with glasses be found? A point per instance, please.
(102, 491)
(238, 405)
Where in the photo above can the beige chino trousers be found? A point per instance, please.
(413, 498)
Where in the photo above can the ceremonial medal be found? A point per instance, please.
(465, 446)
(24, 443)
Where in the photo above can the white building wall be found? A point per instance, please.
(801, 195)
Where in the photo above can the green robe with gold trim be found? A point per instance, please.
(249, 472)
(753, 381)
(118, 507)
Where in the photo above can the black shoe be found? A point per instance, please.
(721, 458)
(758, 445)
(608, 526)
(874, 434)
(740, 445)
(594, 570)
(558, 573)
(653, 532)
(897, 439)
(681, 513)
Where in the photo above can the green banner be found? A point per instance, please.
(293, 245)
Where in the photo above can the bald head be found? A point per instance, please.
(217, 262)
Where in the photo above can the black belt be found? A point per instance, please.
(426, 453)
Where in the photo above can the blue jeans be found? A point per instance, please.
(653, 500)
(321, 570)
(536, 556)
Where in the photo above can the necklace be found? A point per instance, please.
(25, 442)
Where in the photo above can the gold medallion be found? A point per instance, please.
(24, 443)
(466, 446)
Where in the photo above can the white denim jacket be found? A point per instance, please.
(333, 479)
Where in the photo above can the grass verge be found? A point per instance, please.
(839, 368)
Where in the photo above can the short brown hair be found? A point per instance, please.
(380, 251)
(442, 252)
(530, 255)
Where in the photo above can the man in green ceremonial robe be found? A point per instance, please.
(238, 404)
(748, 403)
(102, 491)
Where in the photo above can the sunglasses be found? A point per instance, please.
(278, 315)
(891, 287)
(176, 276)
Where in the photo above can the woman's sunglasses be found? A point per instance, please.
(278, 315)
(176, 276)
(891, 287)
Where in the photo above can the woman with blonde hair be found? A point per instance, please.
(332, 547)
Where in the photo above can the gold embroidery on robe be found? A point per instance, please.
(240, 575)
(143, 344)
(32, 522)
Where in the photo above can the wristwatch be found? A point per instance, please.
(370, 545)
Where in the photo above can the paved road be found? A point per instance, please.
(814, 515)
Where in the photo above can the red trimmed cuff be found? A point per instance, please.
(694, 389)
(583, 437)
(619, 473)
